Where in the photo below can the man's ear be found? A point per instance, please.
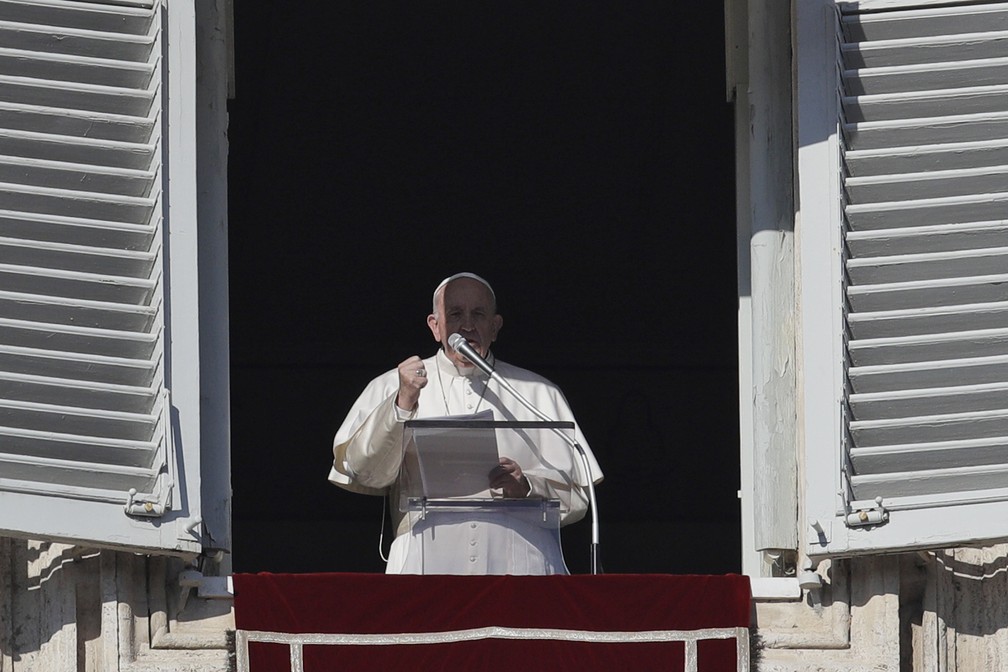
(498, 322)
(432, 322)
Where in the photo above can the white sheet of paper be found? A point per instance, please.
(456, 462)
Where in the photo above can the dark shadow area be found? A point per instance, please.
(577, 155)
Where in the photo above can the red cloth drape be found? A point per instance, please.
(378, 603)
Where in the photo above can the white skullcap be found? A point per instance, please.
(473, 276)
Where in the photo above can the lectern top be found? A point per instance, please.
(487, 424)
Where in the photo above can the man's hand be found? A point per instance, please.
(412, 379)
(508, 477)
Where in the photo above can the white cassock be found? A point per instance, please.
(368, 451)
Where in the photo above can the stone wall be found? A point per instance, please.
(937, 611)
(68, 607)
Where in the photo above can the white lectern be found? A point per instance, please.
(457, 524)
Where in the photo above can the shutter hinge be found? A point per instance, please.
(877, 515)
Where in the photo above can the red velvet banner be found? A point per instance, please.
(617, 605)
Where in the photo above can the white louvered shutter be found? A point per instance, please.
(923, 162)
(86, 440)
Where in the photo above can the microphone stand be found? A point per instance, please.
(595, 568)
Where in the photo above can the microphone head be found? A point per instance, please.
(459, 344)
(455, 340)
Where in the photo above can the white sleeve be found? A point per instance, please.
(573, 499)
(367, 449)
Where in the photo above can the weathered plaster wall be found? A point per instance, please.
(71, 608)
(940, 611)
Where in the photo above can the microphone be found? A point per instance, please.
(459, 344)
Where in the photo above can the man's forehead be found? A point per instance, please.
(457, 289)
(439, 291)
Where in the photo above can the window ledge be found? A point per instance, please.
(766, 589)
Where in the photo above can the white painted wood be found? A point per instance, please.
(919, 104)
(183, 363)
(957, 524)
(102, 15)
(952, 263)
(853, 6)
(822, 327)
(876, 188)
(964, 484)
(771, 250)
(941, 49)
(920, 402)
(919, 239)
(90, 219)
(924, 98)
(212, 84)
(922, 375)
(752, 560)
(919, 20)
(944, 292)
(927, 347)
(928, 320)
(90, 612)
(964, 75)
(888, 133)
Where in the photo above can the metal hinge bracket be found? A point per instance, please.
(876, 515)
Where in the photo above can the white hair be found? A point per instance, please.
(473, 276)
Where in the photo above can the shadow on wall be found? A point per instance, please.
(45, 590)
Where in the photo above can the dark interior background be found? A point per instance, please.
(579, 155)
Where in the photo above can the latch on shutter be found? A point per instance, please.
(141, 505)
(155, 504)
(877, 515)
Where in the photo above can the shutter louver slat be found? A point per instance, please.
(74, 123)
(93, 151)
(79, 69)
(931, 184)
(924, 23)
(77, 230)
(921, 239)
(53, 445)
(869, 135)
(84, 340)
(930, 320)
(78, 257)
(76, 393)
(926, 484)
(921, 104)
(881, 80)
(928, 293)
(916, 403)
(963, 47)
(925, 147)
(107, 18)
(926, 266)
(924, 375)
(83, 410)
(51, 38)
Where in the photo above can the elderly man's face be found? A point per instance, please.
(467, 307)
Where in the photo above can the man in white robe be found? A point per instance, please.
(368, 448)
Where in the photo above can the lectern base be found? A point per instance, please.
(480, 540)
